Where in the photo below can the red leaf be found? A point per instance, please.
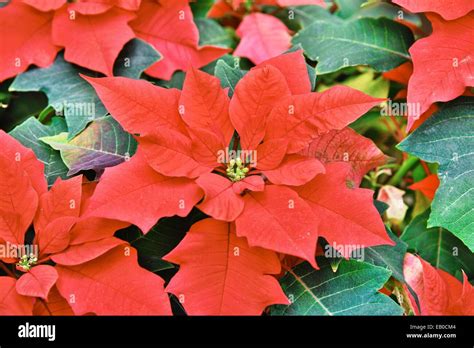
(278, 219)
(427, 186)
(438, 292)
(443, 63)
(137, 105)
(293, 67)
(154, 195)
(37, 282)
(346, 215)
(25, 44)
(170, 153)
(301, 118)
(102, 37)
(447, 8)
(21, 182)
(94, 7)
(77, 254)
(219, 9)
(254, 98)
(113, 284)
(270, 153)
(18, 201)
(346, 145)
(206, 104)
(56, 236)
(207, 147)
(170, 28)
(251, 183)
(11, 303)
(220, 200)
(62, 200)
(262, 37)
(45, 5)
(220, 274)
(295, 170)
(59, 209)
(400, 74)
(94, 229)
(14, 151)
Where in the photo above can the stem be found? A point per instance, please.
(425, 167)
(388, 125)
(399, 131)
(404, 168)
(43, 302)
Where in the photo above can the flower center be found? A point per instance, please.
(236, 170)
(27, 261)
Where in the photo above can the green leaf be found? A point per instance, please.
(381, 206)
(387, 256)
(346, 8)
(298, 17)
(102, 144)
(352, 290)
(67, 92)
(439, 247)
(211, 33)
(447, 138)
(201, 8)
(29, 134)
(211, 67)
(384, 9)
(229, 76)
(135, 58)
(311, 70)
(362, 42)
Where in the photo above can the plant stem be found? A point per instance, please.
(404, 168)
(426, 168)
(43, 302)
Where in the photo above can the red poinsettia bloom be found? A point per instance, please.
(72, 261)
(245, 155)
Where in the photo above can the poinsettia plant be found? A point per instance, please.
(275, 157)
(245, 161)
